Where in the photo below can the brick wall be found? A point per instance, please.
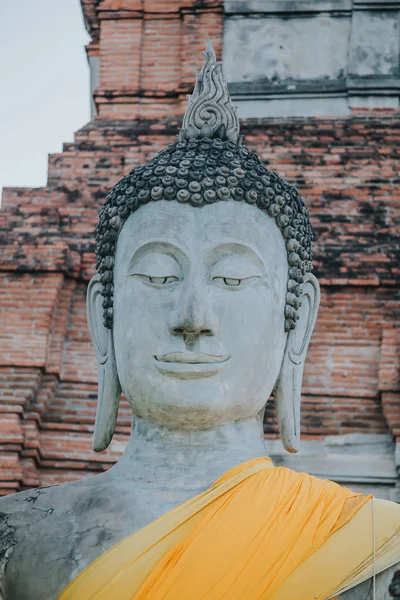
(346, 167)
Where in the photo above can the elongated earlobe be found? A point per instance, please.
(109, 386)
(288, 387)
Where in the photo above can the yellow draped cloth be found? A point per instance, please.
(259, 532)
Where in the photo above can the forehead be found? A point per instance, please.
(200, 230)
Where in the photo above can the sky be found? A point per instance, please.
(44, 85)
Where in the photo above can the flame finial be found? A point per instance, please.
(210, 113)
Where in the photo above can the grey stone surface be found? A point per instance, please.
(394, 494)
(374, 47)
(363, 462)
(295, 106)
(374, 101)
(305, 58)
(210, 109)
(286, 6)
(279, 49)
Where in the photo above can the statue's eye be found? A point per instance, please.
(231, 281)
(158, 281)
(162, 280)
(234, 282)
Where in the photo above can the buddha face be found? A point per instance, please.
(198, 311)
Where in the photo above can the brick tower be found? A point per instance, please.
(317, 85)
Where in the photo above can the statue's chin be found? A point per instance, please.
(193, 413)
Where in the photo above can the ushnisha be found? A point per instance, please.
(204, 303)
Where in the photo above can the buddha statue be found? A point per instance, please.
(204, 303)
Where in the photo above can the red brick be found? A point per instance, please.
(346, 167)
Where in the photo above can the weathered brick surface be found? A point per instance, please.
(391, 410)
(389, 372)
(18, 389)
(346, 167)
(161, 55)
(120, 51)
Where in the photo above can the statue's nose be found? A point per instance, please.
(194, 314)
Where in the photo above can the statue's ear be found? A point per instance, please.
(288, 387)
(109, 386)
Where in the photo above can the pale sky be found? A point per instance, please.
(44, 81)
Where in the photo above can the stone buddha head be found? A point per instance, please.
(204, 301)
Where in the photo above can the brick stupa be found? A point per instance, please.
(346, 167)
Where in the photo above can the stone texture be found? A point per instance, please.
(269, 51)
(375, 44)
(364, 462)
(346, 167)
(285, 6)
(277, 50)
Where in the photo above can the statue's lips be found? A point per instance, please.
(190, 365)
(192, 358)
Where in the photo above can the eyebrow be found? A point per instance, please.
(161, 246)
(228, 248)
(222, 250)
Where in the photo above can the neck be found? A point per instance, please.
(186, 459)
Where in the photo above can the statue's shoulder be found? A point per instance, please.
(35, 525)
(44, 501)
(17, 512)
(49, 505)
(22, 501)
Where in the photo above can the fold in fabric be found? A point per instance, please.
(259, 532)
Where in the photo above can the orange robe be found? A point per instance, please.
(259, 532)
